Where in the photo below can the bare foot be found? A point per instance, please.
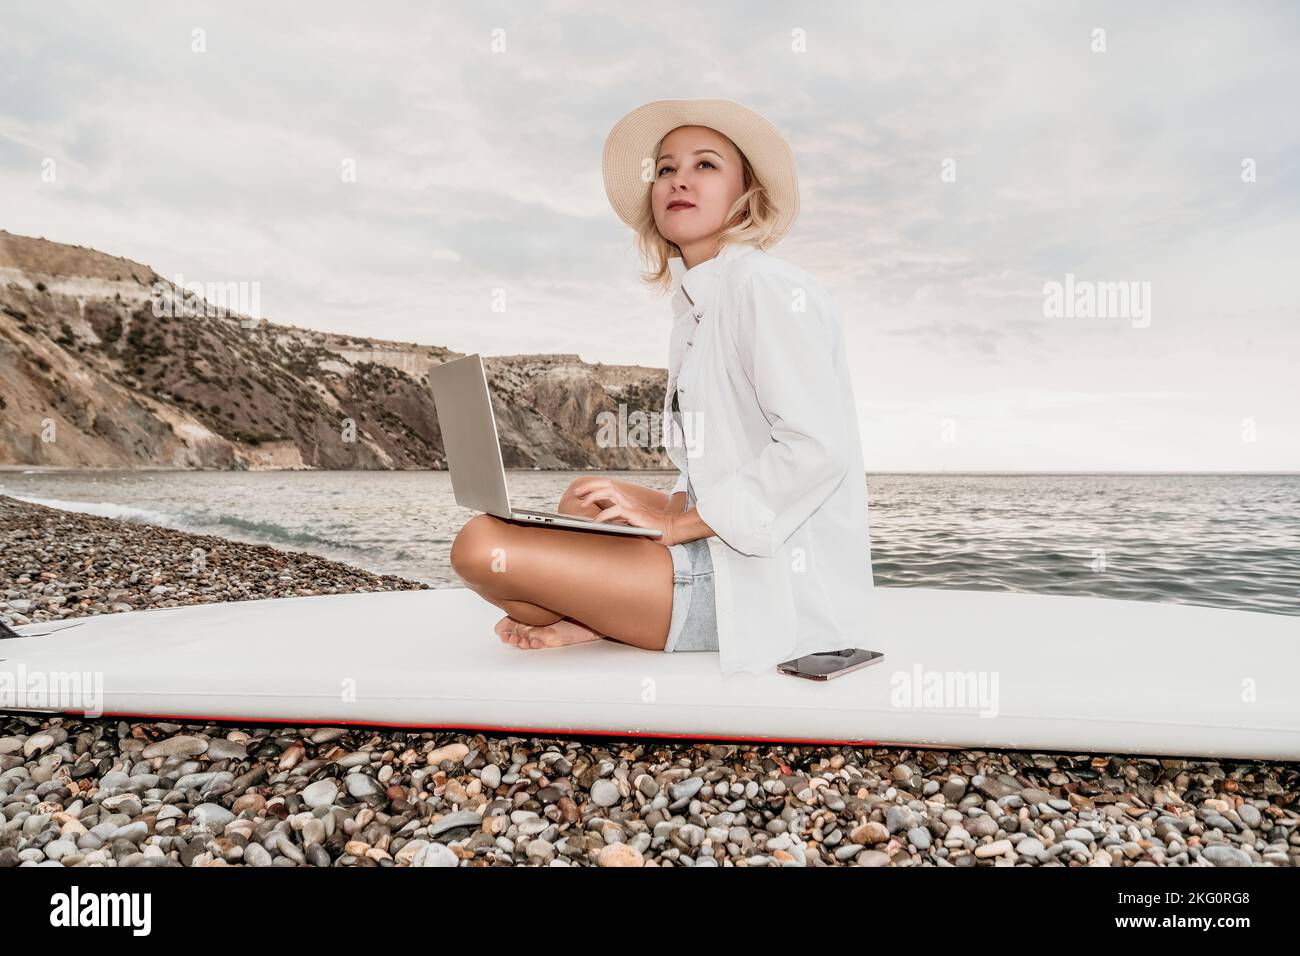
(531, 637)
(505, 629)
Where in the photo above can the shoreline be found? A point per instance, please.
(125, 792)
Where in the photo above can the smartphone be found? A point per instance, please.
(828, 664)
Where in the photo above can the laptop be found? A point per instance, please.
(469, 437)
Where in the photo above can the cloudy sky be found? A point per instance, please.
(479, 169)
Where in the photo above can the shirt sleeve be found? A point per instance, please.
(788, 358)
(681, 484)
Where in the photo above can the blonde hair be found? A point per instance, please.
(751, 218)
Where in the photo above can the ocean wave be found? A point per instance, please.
(278, 533)
(104, 509)
(265, 531)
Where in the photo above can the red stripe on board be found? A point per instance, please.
(542, 731)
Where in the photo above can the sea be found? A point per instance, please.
(1221, 540)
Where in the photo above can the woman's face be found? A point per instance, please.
(698, 175)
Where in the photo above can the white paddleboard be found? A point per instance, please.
(962, 669)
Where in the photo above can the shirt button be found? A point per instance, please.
(699, 315)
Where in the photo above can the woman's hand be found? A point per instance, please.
(622, 509)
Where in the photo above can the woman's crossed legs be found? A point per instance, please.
(563, 586)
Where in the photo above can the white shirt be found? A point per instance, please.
(769, 434)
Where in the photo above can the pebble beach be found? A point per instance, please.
(117, 792)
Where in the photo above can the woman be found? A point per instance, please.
(765, 552)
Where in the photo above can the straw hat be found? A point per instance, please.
(633, 139)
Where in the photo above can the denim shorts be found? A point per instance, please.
(694, 626)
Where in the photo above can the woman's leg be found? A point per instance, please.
(536, 615)
(617, 586)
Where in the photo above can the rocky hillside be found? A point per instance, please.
(94, 374)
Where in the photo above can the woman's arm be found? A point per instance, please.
(688, 526)
(685, 525)
(788, 355)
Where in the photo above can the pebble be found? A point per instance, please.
(453, 752)
(872, 858)
(436, 854)
(898, 819)
(361, 785)
(684, 790)
(1030, 847)
(619, 854)
(174, 746)
(996, 848)
(211, 816)
(322, 793)
(604, 793)
(453, 821)
(871, 832)
(288, 849)
(219, 748)
(1222, 855)
(37, 743)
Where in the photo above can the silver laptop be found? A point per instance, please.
(469, 436)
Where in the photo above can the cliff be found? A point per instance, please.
(97, 373)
